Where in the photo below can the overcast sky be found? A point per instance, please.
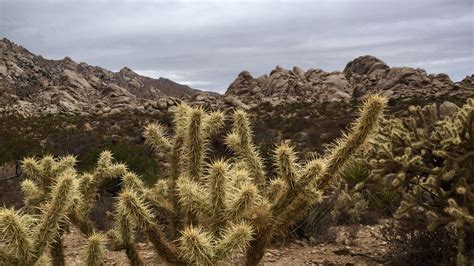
(205, 44)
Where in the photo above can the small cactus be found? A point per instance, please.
(94, 250)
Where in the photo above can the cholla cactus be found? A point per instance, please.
(47, 178)
(40, 176)
(203, 206)
(208, 209)
(105, 169)
(27, 239)
(94, 250)
(431, 162)
(304, 183)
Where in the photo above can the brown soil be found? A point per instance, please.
(366, 248)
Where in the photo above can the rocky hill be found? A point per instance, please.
(360, 76)
(32, 85)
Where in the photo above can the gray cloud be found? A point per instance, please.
(205, 44)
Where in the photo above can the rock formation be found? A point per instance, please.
(31, 85)
(360, 76)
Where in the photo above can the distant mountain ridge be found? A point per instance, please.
(32, 81)
(33, 86)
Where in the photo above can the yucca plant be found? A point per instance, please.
(209, 208)
(430, 161)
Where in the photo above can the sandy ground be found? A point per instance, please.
(364, 249)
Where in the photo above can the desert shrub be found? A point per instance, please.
(355, 198)
(418, 247)
(382, 199)
(349, 209)
(430, 162)
(135, 156)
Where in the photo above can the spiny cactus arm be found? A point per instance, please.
(285, 162)
(175, 172)
(94, 250)
(194, 144)
(134, 208)
(240, 141)
(192, 198)
(80, 216)
(212, 123)
(310, 172)
(32, 194)
(87, 188)
(63, 164)
(155, 135)
(255, 162)
(370, 114)
(133, 182)
(241, 201)
(298, 208)
(124, 234)
(160, 204)
(14, 234)
(31, 168)
(47, 164)
(217, 188)
(196, 246)
(239, 177)
(106, 168)
(180, 120)
(234, 238)
(5, 258)
(458, 213)
(276, 190)
(63, 194)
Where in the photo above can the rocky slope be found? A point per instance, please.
(31, 85)
(362, 75)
